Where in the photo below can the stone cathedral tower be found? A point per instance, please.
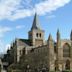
(36, 34)
(59, 52)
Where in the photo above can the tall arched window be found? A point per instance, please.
(66, 50)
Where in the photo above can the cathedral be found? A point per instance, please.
(37, 55)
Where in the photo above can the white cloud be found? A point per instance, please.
(13, 9)
(50, 5)
(19, 26)
(7, 7)
(3, 30)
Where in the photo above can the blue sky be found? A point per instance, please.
(16, 17)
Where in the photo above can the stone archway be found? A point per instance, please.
(67, 65)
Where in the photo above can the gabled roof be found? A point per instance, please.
(26, 41)
(36, 24)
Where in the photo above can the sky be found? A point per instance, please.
(16, 18)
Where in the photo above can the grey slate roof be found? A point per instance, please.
(36, 24)
(26, 41)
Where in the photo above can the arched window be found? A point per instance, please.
(67, 66)
(40, 34)
(66, 50)
(36, 34)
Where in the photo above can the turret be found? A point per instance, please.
(58, 37)
(51, 62)
(50, 42)
(59, 51)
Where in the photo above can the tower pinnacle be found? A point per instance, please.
(50, 37)
(58, 34)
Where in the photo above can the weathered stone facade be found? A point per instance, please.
(34, 53)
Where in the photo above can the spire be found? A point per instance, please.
(50, 42)
(35, 22)
(71, 35)
(58, 34)
(50, 37)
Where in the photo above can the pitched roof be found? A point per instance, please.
(26, 41)
(36, 24)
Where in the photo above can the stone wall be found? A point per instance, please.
(36, 58)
